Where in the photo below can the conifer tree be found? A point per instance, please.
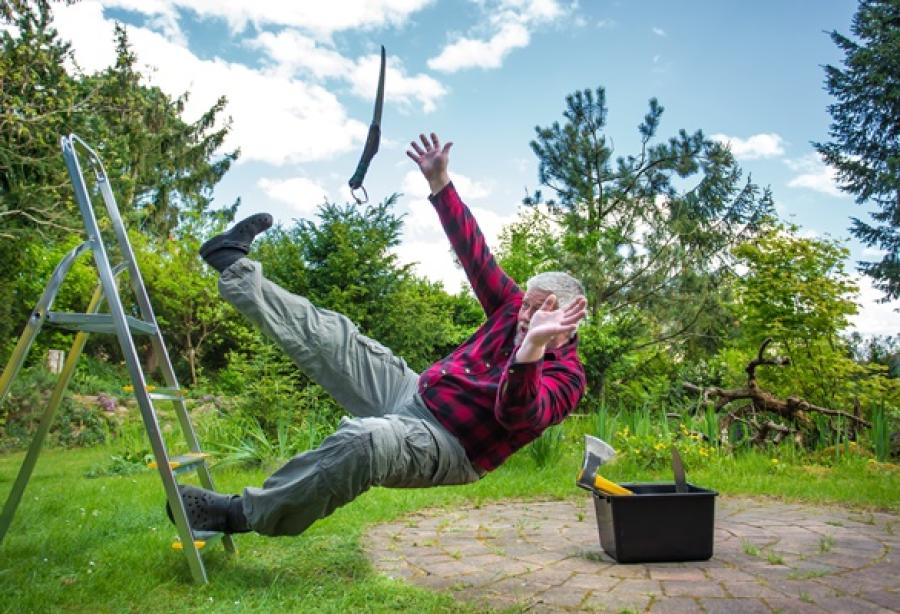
(865, 131)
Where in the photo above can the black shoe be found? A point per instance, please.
(211, 511)
(224, 249)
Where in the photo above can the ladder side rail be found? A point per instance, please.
(143, 299)
(34, 449)
(37, 318)
(147, 314)
(129, 352)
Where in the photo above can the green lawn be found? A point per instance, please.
(80, 545)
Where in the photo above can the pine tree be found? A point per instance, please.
(865, 130)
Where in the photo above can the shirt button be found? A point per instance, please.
(488, 365)
(468, 370)
(443, 371)
(511, 371)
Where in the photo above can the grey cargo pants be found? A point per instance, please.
(393, 440)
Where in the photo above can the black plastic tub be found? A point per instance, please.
(657, 524)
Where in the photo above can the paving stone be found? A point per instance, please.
(564, 597)
(803, 589)
(794, 606)
(727, 574)
(734, 606)
(639, 587)
(592, 582)
(847, 604)
(544, 575)
(609, 602)
(751, 590)
(675, 605)
(693, 589)
(452, 568)
(685, 574)
(889, 600)
(582, 565)
(629, 572)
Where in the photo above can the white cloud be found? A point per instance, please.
(606, 23)
(764, 145)
(276, 118)
(416, 186)
(474, 53)
(434, 261)
(874, 318)
(294, 53)
(422, 221)
(302, 194)
(507, 26)
(659, 31)
(814, 175)
(321, 18)
(873, 252)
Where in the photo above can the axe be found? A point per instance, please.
(596, 453)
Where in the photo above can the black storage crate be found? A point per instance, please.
(657, 524)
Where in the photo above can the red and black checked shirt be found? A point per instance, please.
(492, 404)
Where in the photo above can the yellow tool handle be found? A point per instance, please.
(608, 487)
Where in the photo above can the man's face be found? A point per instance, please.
(532, 301)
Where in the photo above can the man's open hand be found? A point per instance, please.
(432, 160)
(550, 327)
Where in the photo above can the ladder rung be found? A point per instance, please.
(201, 539)
(159, 394)
(97, 322)
(184, 462)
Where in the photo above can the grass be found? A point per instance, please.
(102, 545)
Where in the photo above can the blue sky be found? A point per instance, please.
(300, 78)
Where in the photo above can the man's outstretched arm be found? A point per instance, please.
(492, 286)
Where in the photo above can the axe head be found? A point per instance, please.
(596, 453)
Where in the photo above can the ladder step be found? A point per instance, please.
(97, 322)
(158, 393)
(184, 462)
(201, 539)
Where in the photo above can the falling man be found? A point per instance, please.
(518, 374)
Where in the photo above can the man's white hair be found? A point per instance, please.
(564, 286)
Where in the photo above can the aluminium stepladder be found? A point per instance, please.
(124, 327)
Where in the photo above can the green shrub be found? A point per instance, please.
(73, 424)
(547, 449)
(880, 434)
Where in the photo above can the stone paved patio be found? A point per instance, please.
(546, 557)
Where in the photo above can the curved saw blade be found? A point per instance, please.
(372, 140)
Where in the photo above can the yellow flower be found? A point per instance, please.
(774, 461)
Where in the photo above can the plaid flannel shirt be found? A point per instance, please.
(492, 404)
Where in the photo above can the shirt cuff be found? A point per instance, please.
(519, 371)
(435, 198)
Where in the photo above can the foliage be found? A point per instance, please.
(73, 425)
(796, 291)
(646, 233)
(880, 433)
(200, 327)
(547, 449)
(162, 169)
(865, 148)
